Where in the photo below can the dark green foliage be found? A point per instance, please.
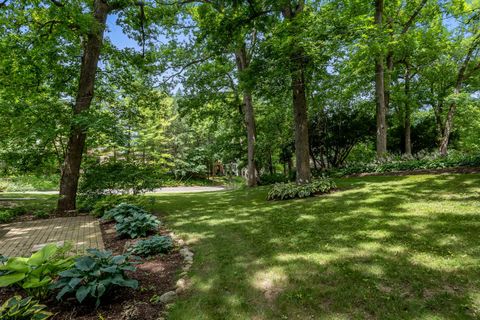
(335, 131)
(103, 205)
(266, 179)
(283, 191)
(94, 275)
(152, 246)
(137, 225)
(421, 163)
(35, 274)
(17, 308)
(41, 214)
(132, 221)
(6, 215)
(109, 178)
(10, 214)
(122, 211)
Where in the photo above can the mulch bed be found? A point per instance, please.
(419, 171)
(155, 275)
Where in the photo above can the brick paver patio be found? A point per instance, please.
(19, 238)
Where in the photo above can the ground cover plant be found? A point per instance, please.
(95, 274)
(36, 273)
(132, 221)
(292, 190)
(14, 206)
(152, 246)
(421, 162)
(18, 308)
(384, 247)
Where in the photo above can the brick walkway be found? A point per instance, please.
(19, 238)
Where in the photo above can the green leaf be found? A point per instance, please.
(43, 255)
(86, 263)
(17, 264)
(82, 293)
(36, 282)
(9, 279)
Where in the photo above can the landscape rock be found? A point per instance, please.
(168, 297)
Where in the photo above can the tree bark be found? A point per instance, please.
(242, 65)
(461, 77)
(408, 125)
(381, 111)
(300, 108)
(78, 133)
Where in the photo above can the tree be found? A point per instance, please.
(293, 13)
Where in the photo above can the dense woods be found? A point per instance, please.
(251, 88)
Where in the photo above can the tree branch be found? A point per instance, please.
(413, 16)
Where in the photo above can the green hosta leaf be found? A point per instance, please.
(70, 273)
(119, 259)
(110, 269)
(65, 290)
(82, 293)
(43, 255)
(16, 264)
(86, 263)
(36, 282)
(74, 282)
(9, 279)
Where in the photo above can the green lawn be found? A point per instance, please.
(380, 248)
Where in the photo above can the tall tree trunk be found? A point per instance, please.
(381, 111)
(242, 65)
(408, 125)
(447, 129)
(300, 108)
(78, 133)
(461, 77)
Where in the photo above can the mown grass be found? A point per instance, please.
(29, 183)
(380, 248)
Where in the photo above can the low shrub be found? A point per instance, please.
(41, 214)
(419, 162)
(110, 178)
(36, 273)
(94, 275)
(9, 214)
(132, 221)
(152, 246)
(122, 211)
(137, 225)
(17, 308)
(283, 191)
(109, 202)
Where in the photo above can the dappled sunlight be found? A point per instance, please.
(271, 282)
(381, 246)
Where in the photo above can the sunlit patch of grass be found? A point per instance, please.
(380, 248)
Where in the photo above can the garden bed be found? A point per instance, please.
(462, 170)
(156, 275)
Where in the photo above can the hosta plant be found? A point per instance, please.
(152, 246)
(17, 308)
(137, 225)
(122, 211)
(36, 273)
(94, 275)
(283, 191)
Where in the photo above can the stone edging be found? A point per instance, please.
(183, 282)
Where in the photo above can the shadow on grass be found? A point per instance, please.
(385, 248)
